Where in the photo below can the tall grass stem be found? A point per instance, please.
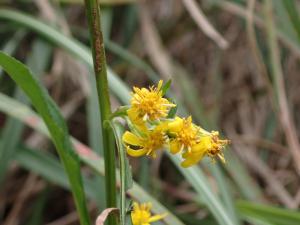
(97, 44)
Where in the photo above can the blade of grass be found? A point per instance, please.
(12, 44)
(125, 173)
(13, 129)
(283, 19)
(293, 13)
(269, 214)
(56, 125)
(225, 193)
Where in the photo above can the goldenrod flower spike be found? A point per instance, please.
(148, 144)
(141, 214)
(148, 104)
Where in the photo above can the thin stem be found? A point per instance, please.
(93, 15)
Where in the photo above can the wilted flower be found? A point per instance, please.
(209, 145)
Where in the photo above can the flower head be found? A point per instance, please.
(148, 104)
(216, 146)
(141, 214)
(184, 134)
(145, 144)
(209, 145)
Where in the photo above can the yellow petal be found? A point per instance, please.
(132, 114)
(135, 206)
(175, 147)
(176, 125)
(157, 217)
(201, 147)
(132, 139)
(136, 153)
(191, 160)
(162, 126)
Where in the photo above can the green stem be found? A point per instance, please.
(93, 15)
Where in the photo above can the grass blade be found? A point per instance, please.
(56, 125)
(291, 9)
(269, 214)
(13, 129)
(125, 173)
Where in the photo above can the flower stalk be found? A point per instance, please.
(97, 45)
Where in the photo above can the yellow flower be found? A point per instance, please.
(209, 145)
(141, 214)
(148, 104)
(147, 143)
(184, 134)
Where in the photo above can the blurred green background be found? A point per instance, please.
(234, 66)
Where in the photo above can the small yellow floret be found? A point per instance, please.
(209, 145)
(141, 214)
(148, 144)
(184, 134)
(148, 104)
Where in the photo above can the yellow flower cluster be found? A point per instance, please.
(141, 214)
(152, 130)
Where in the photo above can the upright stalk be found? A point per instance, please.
(93, 15)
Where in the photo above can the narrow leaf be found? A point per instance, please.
(56, 126)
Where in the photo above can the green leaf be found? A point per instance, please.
(120, 112)
(269, 214)
(293, 13)
(56, 126)
(125, 171)
(166, 87)
(13, 129)
(173, 111)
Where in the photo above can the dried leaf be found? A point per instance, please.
(102, 217)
